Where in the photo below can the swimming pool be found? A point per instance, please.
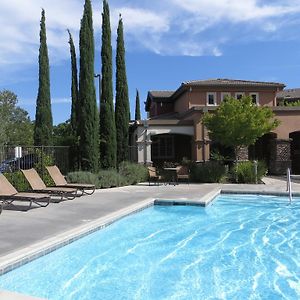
(241, 247)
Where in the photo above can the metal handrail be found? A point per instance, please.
(289, 184)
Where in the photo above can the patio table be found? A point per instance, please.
(173, 175)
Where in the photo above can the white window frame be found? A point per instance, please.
(239, 93)
(257, 97)
(225, 94)
(207, 98)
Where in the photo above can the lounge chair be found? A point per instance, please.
(60, 181)
(38, 185)
(8, 194)
(153, 176)
(183, 173)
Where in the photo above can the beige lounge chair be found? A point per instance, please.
(153, 176)
(183, 172)
(8, 194)
(60, 181)
(38, 185)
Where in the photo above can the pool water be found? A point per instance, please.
(241, 247)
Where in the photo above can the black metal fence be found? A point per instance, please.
(16, 158)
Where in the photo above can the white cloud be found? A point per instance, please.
(169, 27)
(137, 19)
(236, 10)
(32, 101)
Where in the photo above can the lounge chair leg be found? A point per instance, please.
(30, 204)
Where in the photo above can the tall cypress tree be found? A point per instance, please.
(122, 100)
(89, 119)
(75, 109)
(137, 107)
(43, 116)
(107, 118)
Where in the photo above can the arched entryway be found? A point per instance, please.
(295, 151)
(170, 148)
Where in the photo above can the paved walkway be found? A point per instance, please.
(19, 229)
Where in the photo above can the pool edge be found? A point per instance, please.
(25, 255)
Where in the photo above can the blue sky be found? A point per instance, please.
(167, 42)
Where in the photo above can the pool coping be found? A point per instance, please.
(25, 255)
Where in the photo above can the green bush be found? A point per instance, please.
(109, 178)
(244, 172)
(18, 180)
(210, 172)
(133, 173)
(129, 173)
(40, 166)
(82, 177)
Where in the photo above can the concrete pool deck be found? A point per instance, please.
(23, 232)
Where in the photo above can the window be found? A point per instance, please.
(163, 147)
(225, 95)
(211, 99)
(239, 95)
(255, 98)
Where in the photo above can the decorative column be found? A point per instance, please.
(144, 145)
(280, 158)
(242, 154)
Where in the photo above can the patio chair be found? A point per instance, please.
(60, 181)
(38, 185)
(183, 173)
(8, 194)
(153, 176)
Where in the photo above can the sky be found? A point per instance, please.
(167, 42)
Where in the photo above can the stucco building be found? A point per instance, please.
(174, 128)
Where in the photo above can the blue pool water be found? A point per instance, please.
(241, 247)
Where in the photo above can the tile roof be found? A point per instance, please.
(230, 82)
(161, 94)
(289, 94)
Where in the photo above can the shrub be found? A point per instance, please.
(43, 161)
(18, 180)
(129, 173)
(110, 178)
(244, 172)
(82, 177)
(210, 172)
(132, 172)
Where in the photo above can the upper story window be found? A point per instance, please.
(225, 95)
(239, 95)
(255, 98)
(211, 98)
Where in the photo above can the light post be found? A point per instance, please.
(99, 76)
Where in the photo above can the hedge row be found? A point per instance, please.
(131, 173)
(128, 174)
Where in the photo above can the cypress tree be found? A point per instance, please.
(43, 116)
(122, 100)
(89, 119)
(74, 88)
(137, 107)
(107, 118)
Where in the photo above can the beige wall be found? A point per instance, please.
(182, 103)
(198, 96)
(290, 122)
